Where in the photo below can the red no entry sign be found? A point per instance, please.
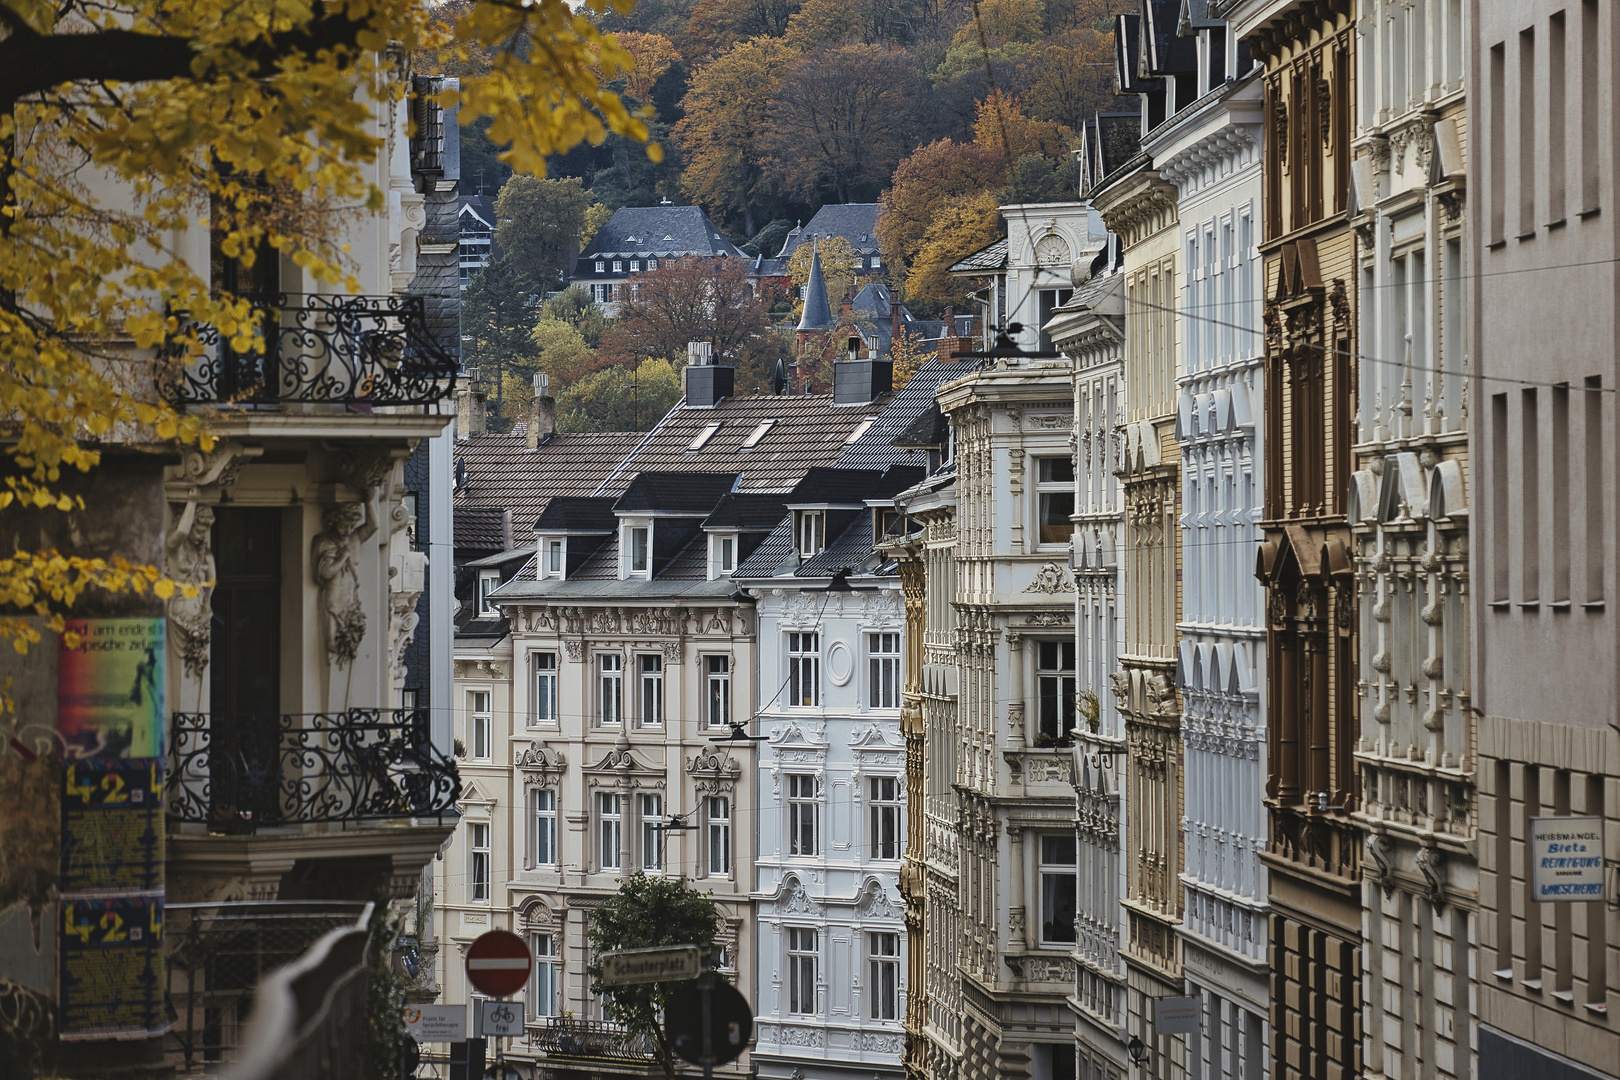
(498, 963)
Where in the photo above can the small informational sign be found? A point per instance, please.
(1177, 1016)
(500, 1019)
(670, 963)
(436, 1023)
(1566, 859)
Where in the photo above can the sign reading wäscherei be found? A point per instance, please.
(668, 963)
(1566, 859)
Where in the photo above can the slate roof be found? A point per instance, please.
(689, 493)
(984, 261)
(808, 431)
(663, 232)
(852, 547)
(577, 513)
(481, 528)
(746, 511)
(855, 222)
(876, 447)
(817, 314)
(834, 486)
(501, 472)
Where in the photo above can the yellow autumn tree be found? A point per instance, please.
(838, 265)
(127, 126)
(961, 227)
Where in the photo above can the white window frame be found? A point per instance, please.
(650, 808)
(717, 823)
(609, 690)
(652, 264)
(618, 266)
(480, 725)
(649, 690)
(543, 814)
(543, 999)
(717, 690)
(1057, 684)
(1052, 871)
(803, 816)
(1046, 488)
(804, 962)
(877, 262)
(883, 967)
(610, 830)
(554, 561)
(631, 568)
(635, 266)
(478, 862)
(488, 582)
(804, 669)
(546, 675)
(722, 555)
(883, 669)
(810, 532)
(601, 266)
(884, 813)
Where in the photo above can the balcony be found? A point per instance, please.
(355, 351)
(590, 1040)
(238, 774)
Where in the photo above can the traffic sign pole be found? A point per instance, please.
(706, 988)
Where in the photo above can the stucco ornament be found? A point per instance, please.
(336, 556)
(191, 562)
(1050, 578)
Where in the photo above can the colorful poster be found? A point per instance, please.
(112, 825)
(109, 692)
(110, 984)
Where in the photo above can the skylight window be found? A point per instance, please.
(865, 426)
(702, 438)
(757, 434)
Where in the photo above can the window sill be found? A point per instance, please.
(1590, 212)
(1599, 1007)
(1532, 985)
(1564, 997)
(1592, 605)
(1503, 974)
(1500, 605)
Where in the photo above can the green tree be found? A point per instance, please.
(1036, 178)
(574, 306)
(647, 912)
(497, 317)
(620, 398)
(565, 355)
(536, 221)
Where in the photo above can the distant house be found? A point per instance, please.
(855, 223)
(476, 244)
(637, 238)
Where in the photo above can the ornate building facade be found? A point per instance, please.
(1409, 514)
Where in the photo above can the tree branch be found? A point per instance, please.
(31, 63)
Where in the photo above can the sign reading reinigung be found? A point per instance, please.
(1566, 859)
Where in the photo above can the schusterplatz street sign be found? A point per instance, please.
(667, 963)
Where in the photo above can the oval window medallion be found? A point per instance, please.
(840, 664)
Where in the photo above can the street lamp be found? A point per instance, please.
(1137, 1051)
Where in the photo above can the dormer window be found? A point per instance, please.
(551, 558)
(488, 582)
(618, 266)
(635, 265)
(638, 553)
(652, 264)
(722, 554)
(601, 266)
(811, 529)
(882, 519)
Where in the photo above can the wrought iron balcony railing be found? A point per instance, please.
(241, 772)
(319, 349)
(566, 1037)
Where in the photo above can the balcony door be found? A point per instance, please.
(245, 666)
(247, 375)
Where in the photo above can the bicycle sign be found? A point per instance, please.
(500, 1018)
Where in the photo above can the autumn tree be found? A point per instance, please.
(564, 354)
(654, 54)
(257, 119)
(959, 228)
(1002, 124)
(935, 174)
(717, 25)
(1000, 32)
(908, 353)
(576, 307)
(838, 264)
(724, 132)
(840, 120)
(1069, 76)
(627, 398)
(687, 299)
(537, 221)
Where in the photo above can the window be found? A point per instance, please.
(554, 558)
(652, 264)
(479, 721)
(804, 669)
(1054, 689)
(801, 814)
(757, 434)
(718, 812)
(652, 836)
(618, 266)
(601, 266)
(612, 666)
(801, 971)
(635, 265)
(885, 811)
(545, 975)
(488, 582)
(811, 531)
(610, 830)
(478, 862)
(883, 663)
(877, 262)
(860, 429)
(638, 549)
(884, 952)
(652, 690)
(719, 689)
(1055, 491)
(725, 554)
(543, 811)
(1057, 870)
(545, 688)
(701, 439)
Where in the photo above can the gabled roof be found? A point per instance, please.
(577, 513)
(833, 486)
(661, 232)
(502, 473)
(476, 211)
(481, 528)
(746, 511)
(852, 548)
(686, 493)
(987, 260)
(855, 222)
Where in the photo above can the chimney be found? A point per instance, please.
(860, 382)
(707, 385)
(949, 329)
(470, 407)
(894, 319)
(542, 412)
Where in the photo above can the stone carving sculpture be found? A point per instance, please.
(191, 562)
(336, 557)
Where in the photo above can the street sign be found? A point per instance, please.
(500, 1018)
(709, 1027)
(410, 1059)
(436, 1023)
(498, 963)
(1177, 1016)
(668, 963)
(1566, 859)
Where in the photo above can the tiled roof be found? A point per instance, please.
(985, 260)
(579, 513)
(852, 547)
(661, 232)
(675, 492)
(850, 486)
(808, 431)
(876, 447)
(855, 222)
(741, 510)
(501, 473)
(481, 528)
